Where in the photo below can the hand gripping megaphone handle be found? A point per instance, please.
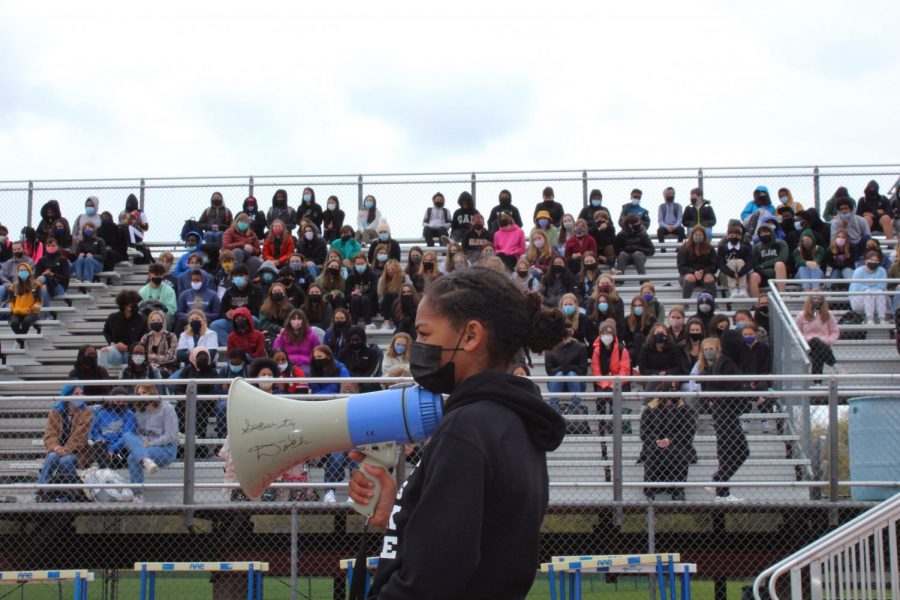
(384, 456)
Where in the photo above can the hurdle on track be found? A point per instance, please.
(80, 577)
(254, 572)
(566, 571)
(371, 564)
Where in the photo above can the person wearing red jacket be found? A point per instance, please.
(578, 244)
(245, 336)
(610, 358)
(279, 245)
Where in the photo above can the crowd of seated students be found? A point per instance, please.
(304, 288)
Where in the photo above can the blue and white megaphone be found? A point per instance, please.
(269, 434)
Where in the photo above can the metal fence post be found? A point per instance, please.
(816, 190)
(651, 543)
(584, 188)
(141, 199)
(700, 179)
(251, 186)
(294, 554)
(617, 440)
(190, 445)
(30, 200)
(833, 446)
(474, 196)
(359, 193)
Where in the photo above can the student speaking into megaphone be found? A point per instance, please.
(466, 523)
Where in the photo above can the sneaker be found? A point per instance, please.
(150, 466)
(349, 500)
(445, 241)
(711, 490)
(329, 498)
(138, 499)
(728, 498)
(371, 327)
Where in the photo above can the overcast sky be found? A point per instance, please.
(113, 89)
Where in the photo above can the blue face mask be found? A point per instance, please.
(368, 204)
(240, 281)
(749, 339)
(602, 307)
(648, 297)
(568, 309)
(798, 225)
(235, 368)
(190, 247)
(267, 277)
(383, 237)
(638, 310)
(596, 203)
(24, 276)
(739, 326)
(307, 197)
(90, 211)
(399, 348)
(845, 216)
(543, 223)
(361, 268)
(295, 266)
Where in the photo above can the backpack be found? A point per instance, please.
(70, 495)
(576, 427)
(851, 317)
(189, 226)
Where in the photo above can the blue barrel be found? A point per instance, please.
(874, 445)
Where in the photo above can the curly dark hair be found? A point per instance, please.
(513, 320)
(126, 297)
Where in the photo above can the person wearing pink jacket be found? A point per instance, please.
(297, 339)
(820, 329)
(509, 241)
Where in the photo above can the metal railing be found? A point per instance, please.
(729, 189)
(857, 560)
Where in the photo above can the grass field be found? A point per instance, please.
(198, 587)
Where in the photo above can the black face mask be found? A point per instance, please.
(334, 272)
(90, 361)
(415, 259)
(816, 305)
(313, 298)
(341, 325)
(522, 274)
(557, 269)
(195, 326)
(660, 338)
(504, 222)
(156, 327)
(424, 364)
(277, 297)
(319, 364)
(241, 326)
(590, 266)
(695, 337)
(156, 280)
(428, 266)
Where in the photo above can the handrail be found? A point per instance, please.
(884, 512)
(785, 315)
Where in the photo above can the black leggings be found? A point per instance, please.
(22, 323)
(731, 444)
(361, 308)
(820, 353)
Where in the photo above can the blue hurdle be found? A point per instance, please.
(254, 570)
(564, 573)
(79, 577)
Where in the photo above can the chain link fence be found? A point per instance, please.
(615, 488)
(403, 198)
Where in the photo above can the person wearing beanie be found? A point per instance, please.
(699, 212)
(855, 226)
(669, 218)
(633, 246)
(463, 218)
(610, 358)
(769, 258)
(383, 238)
(553, 208)
(437, 221)
(706, 308)
(808, 258)
(543, 221)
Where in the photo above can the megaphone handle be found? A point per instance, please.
(383, 456)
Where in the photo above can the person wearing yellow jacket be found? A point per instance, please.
(24, 300)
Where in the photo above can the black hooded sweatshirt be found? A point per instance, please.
(477, 499)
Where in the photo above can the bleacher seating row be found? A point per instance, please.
(77, 318)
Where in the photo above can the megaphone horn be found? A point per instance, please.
(268, 434)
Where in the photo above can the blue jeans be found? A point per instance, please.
(334, 467)
(111, 356)
(213, 237)
(561, 387)
(805, 272)
(55, 463)
(222, 418)
(845, 273)
(86, 267)
(59, 291)
(223, 327)
(161, 455)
